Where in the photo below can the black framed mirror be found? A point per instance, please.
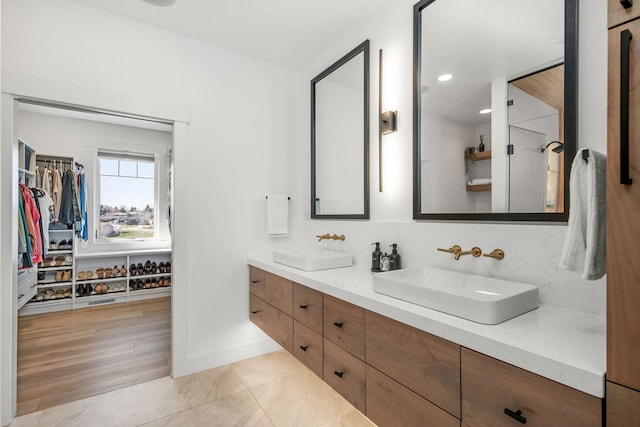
(495, 98)
(340, 138)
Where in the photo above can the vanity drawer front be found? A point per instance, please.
(344, 325)
(391, 404)
(257, 310)
(428, 365)
(256, 281)
(618, 14)
(307, 347)
(490, 386)
(278, 292)
(308, 307)
(345, 373)
(279, 326)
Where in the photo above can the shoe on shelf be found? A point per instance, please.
(133, 270)
(147, 267)
(59, 260)
(66, 275)
(108, 272)
(123, 271)
(62, 244)
(53, 245)
(47, 261)
(100, 273)
(161, 267)
(140, 268)
(59, 276)
(168, 266)
(68, 259)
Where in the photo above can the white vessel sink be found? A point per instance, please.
(481, 299)
(312, 259)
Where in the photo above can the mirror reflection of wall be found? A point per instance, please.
(340, 138)
(501, 88)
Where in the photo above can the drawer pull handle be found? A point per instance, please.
(626, 3)
(304, 306)
(338, 373)
(304, 347)
(255, 312)
(625, 47)
(338, 324)
(516, 415)
(255, 281)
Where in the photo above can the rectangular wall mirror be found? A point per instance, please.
(340, 138)
(495, 109)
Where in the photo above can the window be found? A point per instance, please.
(127, 189)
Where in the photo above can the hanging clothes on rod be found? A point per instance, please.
(30, 222)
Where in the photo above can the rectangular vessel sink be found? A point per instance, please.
(481, 299)
(312, 259)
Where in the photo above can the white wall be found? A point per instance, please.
(532, 251)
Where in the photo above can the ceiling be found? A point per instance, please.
(285, 32)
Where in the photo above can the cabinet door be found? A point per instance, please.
(256, 281)
(618, 13)
(623, 406)
(279, 326)
(428, 365)
(308, 347)
(278, 292)
(256, 311)
(344, 325)
(391, 404)
(491, 390)
(308, 307)
(345, 373)
(623, 214)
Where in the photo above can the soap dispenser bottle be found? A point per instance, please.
(375, 257)
(394, 258)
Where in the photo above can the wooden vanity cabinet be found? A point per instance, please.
(423, 363)
(623, 217)
(344, 325)
(491, 390)
(308, 347)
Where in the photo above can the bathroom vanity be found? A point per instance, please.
(402, 364)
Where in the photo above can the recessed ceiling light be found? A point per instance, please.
(160, 2)
(445, 77)
(485, 111)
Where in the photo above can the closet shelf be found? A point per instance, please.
(83, 255)
(56, 268)
(52, 252)
(53, 284)
(481, 187)
(99, 296)
(105, 280)
(61, 230)
(149, 276)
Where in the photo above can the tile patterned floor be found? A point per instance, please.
(270, 390)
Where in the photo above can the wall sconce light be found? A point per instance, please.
(387, 122)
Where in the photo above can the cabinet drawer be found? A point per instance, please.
(256, 311)
(618, 14)
(256, 281)
(278, 292)
(391, 404)
(623, 406)
(428, 365)
(344, 325)
(279, 326)
(307, 347)
(308, 307)
(345, 373)
(490, 387)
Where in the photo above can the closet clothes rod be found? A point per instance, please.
(288, 198)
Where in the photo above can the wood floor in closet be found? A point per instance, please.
(71, 355)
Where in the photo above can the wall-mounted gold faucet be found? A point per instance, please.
(496, 254)
(458, 252)
(329, 236)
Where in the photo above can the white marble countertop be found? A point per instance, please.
(563, 345)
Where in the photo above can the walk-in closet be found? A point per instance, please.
(94, 252)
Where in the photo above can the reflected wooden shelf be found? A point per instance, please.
(482, 155)
(481, 187)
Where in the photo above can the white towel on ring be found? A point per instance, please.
(585, 244)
